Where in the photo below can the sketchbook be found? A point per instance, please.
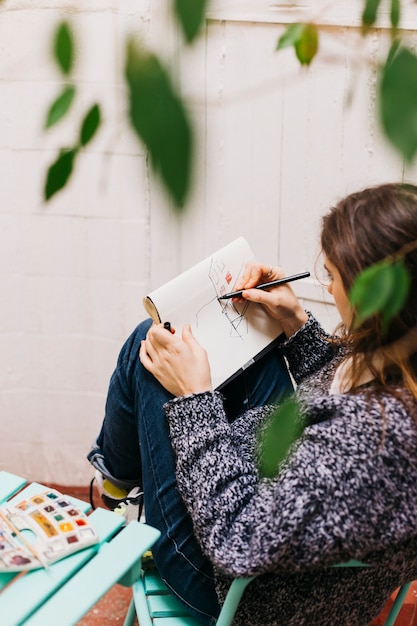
(41, 529)
(234, 334)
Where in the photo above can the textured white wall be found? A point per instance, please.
(276, 145)
(72, 272)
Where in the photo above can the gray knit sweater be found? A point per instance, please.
(347, 491)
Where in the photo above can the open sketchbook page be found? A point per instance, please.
(232, 333)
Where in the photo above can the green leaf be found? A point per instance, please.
(398, 101)
(280, 433)
(190, 14)
(371, 290)
(64, 48)
(307, 45)
(59, 173)
(369, 14)
(304, 38)
(159, 118)
(60, 106)
(90, 124)
(380, 289)
(395, 13)
(291, 36)
(395, 46)
(401, 286)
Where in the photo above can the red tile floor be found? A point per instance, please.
(112, 608)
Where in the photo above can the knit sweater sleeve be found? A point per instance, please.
(317, 512)
(308, 350)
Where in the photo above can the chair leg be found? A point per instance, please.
(396, 607)
(130, 615)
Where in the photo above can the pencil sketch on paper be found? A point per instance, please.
(223, 282)
(233, 333)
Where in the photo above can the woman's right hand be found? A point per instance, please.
(180, 363)
(280, 302)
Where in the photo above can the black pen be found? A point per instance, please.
(272, 283)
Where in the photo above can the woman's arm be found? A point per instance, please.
(309, 349)
(318, 512)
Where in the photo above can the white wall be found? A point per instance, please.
(276, 145)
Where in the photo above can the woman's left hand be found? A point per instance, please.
(179, 363)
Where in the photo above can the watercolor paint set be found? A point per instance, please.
(40, 530)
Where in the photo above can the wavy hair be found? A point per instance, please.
(362, 229)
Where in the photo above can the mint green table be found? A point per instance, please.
(67, 590)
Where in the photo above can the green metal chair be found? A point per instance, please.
(71, 587)
(155, 605)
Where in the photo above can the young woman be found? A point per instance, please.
(348, 488)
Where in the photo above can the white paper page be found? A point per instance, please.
(233, 334)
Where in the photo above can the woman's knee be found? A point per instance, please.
(130, 348)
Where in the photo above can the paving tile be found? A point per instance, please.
(111, 609)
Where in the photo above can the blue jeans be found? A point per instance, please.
(134, 448)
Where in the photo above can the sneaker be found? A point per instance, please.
(121, 501)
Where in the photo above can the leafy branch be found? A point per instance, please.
(61, 169)
(157, 113)
(397, 85)
(159, 116)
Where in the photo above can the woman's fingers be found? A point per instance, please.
(144, 357)
(155, 342)
(257, 273)
(179, 363)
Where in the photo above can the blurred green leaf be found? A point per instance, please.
(64, 48)
(90, 124)
(395, 46)
(291, 35)
(395, 13)
(160, 120)
(371, 290)
(307, 45)
(401, 281)
(380, 289)
(190, 14)
(304, 38)
(276, 438)
(60, 106)
(369, 14)
(398, 100)
(59, 173)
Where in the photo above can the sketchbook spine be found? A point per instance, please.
(151, 309)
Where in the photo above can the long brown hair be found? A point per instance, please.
(364, 228)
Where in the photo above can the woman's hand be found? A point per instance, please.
(281, 302)
(179, 363)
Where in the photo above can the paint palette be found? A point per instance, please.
(40, 530)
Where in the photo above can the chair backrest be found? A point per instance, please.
(232, 600)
